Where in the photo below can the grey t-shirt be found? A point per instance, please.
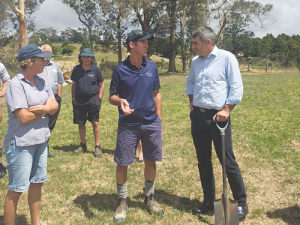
(21, 93)
(53, 76)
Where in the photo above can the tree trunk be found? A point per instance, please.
(91, 38)
(23, 30)
(119, 36)
(182, 42)
(20, 13)
(172, 11)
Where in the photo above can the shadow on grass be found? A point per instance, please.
(179, 203)
(20, 220)
(108, 202)
(290, 215)
(101, 202)
(71, 148)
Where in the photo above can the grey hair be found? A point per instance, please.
(204, 33)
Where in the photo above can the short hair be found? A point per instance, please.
(80, 60)
(128, 47)
(204, 33)
(25, 63)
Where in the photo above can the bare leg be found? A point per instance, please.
(121, 174)
(150, 170)
(140, 151)
(96, 131)
(81, 128)
(34, 200)
(10, 207)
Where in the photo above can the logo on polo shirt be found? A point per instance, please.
(149, 74)
(90, 75)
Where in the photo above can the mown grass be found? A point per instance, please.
(82, 190)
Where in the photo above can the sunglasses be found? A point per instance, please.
(140, 35)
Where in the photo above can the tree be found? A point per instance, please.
(250, 11)
(73, 36)
(115, 13)
(88, 12)
(18, 7)
(20, 13)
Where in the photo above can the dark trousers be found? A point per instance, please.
(204, 132)
(53, 118)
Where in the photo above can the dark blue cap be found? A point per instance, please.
(136, 35)
(31, 51)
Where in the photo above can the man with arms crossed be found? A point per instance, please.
(134, 89)
(54, 77)
(214, 87)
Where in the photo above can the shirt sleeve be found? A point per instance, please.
(61, 79)
(99, 75)
(15, 96)
(73, 76)
(4, 74)
(114, 83)
(157, 82)
(235, 92)
(190, 80)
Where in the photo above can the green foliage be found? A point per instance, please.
(67, 49)
(65, 43)
(107, 67)
(85, 44)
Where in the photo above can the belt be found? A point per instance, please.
(203, 110)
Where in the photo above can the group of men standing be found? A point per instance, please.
(214, 87)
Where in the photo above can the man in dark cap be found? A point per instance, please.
(134, 89)
(87, 94)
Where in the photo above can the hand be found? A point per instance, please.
(191, 106)
(1, 94)
(37, 109)
(221, 116)
(42, 109)
(125, 107)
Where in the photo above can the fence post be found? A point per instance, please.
(266, 67)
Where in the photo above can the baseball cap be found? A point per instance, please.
(31, 51)
(136, 35)
(87, 52)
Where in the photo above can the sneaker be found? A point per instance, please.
(82, 148)
(138, 160)
(49, 154)
(98, 152)
(120, 213)
(152, 206)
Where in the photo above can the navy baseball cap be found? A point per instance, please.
(87, 52)
(138, 35)
(31, 51)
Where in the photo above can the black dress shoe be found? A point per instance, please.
(203, 208)
(243, 211)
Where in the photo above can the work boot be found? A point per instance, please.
(152, 206)
(49, 154)
(82, 148)
(98, 152)
(120, 213)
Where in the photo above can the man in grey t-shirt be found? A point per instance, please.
(54, 77)
(4, 76)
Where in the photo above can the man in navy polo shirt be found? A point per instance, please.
(134, 89)
(87, 94)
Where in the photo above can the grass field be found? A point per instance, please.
(266, 139)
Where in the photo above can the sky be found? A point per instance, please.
(284, 17)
